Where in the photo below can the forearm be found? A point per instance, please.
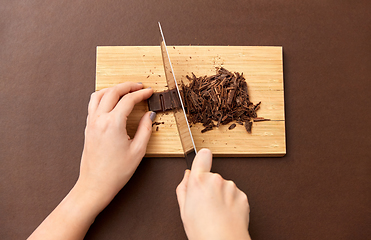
(109, 159)
(218, 234)
(72, 218)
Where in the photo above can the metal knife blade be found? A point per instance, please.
(184, 131)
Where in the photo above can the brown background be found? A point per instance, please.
(319, 190)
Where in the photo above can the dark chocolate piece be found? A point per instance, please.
(163, 101)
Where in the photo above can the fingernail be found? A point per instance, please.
(148, 87)
(139, 82)
(152, 116)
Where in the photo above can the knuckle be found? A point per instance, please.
(111, 91)
(93, 95)
(114, 91)
(243, 197)
(231, 184)
(129, 99)
(114, 88)
(217, 178)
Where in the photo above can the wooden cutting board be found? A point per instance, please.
(261, 66)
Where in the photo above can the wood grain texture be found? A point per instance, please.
(262, 68)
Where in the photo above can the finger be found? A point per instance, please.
(126, 104)
(113, 95)
(95, 98)
(143, 134)
(202, 161)
(181, 190)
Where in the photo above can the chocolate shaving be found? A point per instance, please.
(248, 126)
(219, 99)
(261, 119)
(208, 128)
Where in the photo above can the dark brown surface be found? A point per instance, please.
(321, 189)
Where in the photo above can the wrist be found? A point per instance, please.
(84, 203)
(219, 235)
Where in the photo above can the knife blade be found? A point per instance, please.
(180, 115)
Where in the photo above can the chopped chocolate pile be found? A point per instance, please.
(219, 99)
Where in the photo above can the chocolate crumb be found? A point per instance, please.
(232, 126)
(156, 123)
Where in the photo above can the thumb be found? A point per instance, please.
(181, 190)
(202, 161)
(143, 134)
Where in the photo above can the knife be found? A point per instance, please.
(180, 115)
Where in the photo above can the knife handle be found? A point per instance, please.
(189, 156)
